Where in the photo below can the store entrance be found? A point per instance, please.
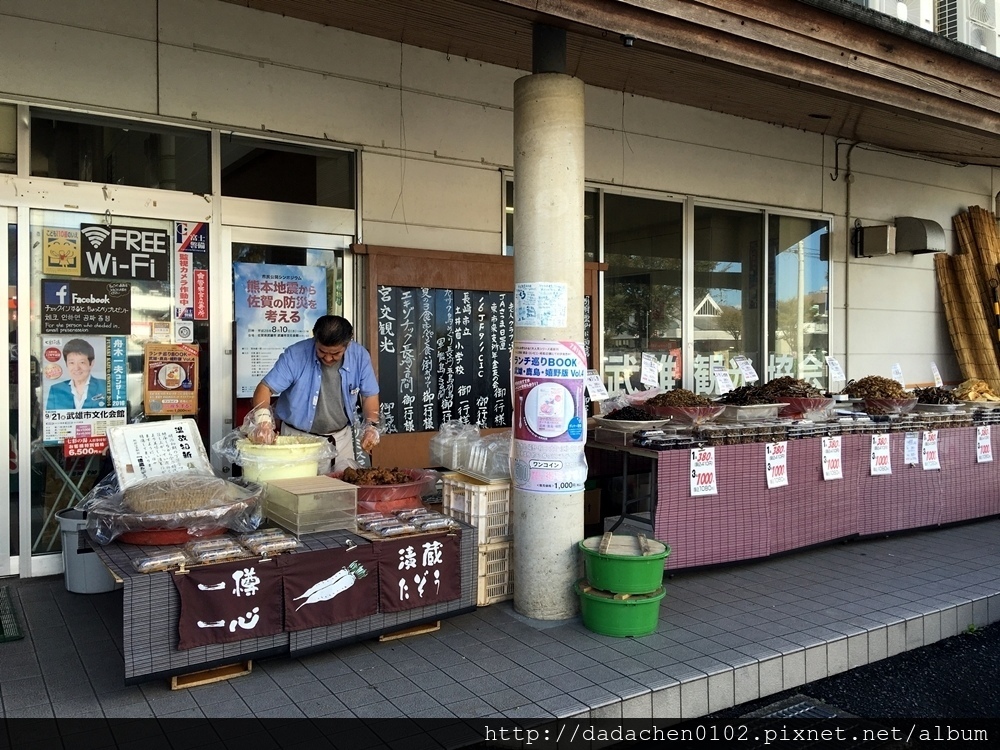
(281, 282)
(9, 501)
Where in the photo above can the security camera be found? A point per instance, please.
(628, 40)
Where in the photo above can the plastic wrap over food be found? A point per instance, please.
(199, 503)
(237, 448)
(614, 403)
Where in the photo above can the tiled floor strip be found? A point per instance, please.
(725, 636)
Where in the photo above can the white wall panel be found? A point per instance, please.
(452, 129)
(719, 172)
(227, 28)
(428, 194)
(136, 18)
(246, 94)
(431, 238)
(42, 60)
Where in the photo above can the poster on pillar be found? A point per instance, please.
(549, 415)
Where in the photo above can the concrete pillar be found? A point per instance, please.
(549, 467)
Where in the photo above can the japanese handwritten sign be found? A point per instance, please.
(153, 449)
(229, 602)
(418, 571)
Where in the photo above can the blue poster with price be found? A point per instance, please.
(275, 307)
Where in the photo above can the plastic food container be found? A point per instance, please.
(688, 414)
(624, 568)
(289, 456)
(619, 615)
(889, 405)
(815, 409)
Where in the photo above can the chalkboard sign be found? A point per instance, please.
(444, 355)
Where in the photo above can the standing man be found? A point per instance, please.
(318, 382)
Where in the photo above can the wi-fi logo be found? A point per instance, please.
(96, 235)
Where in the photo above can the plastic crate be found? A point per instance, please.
(484, 505)
(496, 574)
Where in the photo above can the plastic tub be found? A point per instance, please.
(619, 615)
(623, 568)
(290, 456)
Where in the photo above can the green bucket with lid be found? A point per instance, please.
(623, 563)
(619, 615)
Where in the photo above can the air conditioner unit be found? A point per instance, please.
(918, 12)
(972, 22)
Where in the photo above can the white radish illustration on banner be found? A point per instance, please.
(328, 588)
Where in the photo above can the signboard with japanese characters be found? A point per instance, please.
(418, 571)
(153, 449)
(86, 307)
(60, 251)
(190, 275)
(171, 379)
(229, 602)
(275, 307)
(329, 586)
(83, 390)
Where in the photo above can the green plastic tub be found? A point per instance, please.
(620, 615)
(624, 567)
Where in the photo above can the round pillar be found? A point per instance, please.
(548, 270)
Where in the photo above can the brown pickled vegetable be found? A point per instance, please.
(678, 397)
(379, 476)
(770, 393)
(875, 386)
(934, 396)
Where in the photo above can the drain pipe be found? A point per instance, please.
(548, 464)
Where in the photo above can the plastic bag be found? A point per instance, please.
(201, 504)
(452, 446)
(239, 448)
(490, 456)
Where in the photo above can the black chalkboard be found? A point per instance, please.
(444, 355)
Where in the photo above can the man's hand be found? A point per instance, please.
(263, 434)
(369, 438)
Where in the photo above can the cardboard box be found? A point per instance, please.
(592, 506)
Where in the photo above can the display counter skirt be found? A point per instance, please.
(151, 608)
(746, 520)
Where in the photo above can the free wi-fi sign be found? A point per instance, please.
(128, 253)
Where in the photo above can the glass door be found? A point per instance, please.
(281, 282)
(10, 391)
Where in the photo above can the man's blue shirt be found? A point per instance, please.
(298, 374)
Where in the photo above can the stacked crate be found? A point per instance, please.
(485, 505)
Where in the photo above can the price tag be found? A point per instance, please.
(938, 382)
(929, 458)
(776, 464)
(984, 445)
(595, 388)
(897, 374)
(746, 368)
(724, 383)
(836, 371)
(703, 472)
(880, 455)
(832, 467)
(911, 449)
(650, 374)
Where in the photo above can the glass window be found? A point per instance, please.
(727, 313)
(119, 152)
(643, 249)
(798, 297)
(266, 171)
